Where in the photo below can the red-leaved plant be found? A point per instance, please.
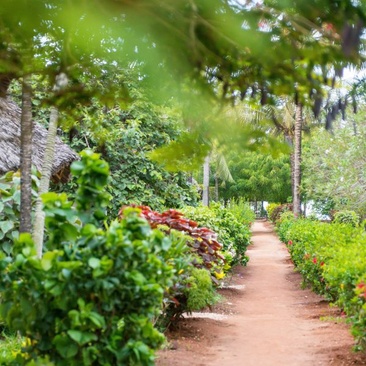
(204, 241)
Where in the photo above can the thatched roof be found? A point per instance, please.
(10, 114)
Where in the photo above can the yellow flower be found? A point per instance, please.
(219, 275)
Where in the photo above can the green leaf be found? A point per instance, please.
(70, 265)
(77, 167)
(97, 319)
(81, 337)
(137, 277)
(6, 226)
(65, 346)
(166, 243)
(7, 247)
(70, 231)
(47, 259)
(50, 197)
(94, 262)
(74, 315)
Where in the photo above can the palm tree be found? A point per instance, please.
(296, 197)
(290, 120)
(222, 172)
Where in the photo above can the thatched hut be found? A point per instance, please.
(10, 115)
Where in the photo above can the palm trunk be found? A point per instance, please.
(292, 167)
(206, 181)
(216, 188)
(297, 161)
(48, 157)
(26, 137)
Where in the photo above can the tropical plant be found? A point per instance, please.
(199, 270)
(205, 242)
(93, 296)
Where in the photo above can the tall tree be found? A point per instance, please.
(297, 161)
(26, 137)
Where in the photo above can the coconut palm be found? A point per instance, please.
(290, 120)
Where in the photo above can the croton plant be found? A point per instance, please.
(204, 241)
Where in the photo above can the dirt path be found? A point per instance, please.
(265, 319)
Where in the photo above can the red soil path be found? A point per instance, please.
(271, 322)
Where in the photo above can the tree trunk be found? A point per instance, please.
(292, 167)
(206, 181)
(48, 157)
(26, 137)
(216, 188)
(297, 161)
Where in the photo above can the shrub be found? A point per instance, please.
(270, 208)
(193, 288)
(347, 217)
(242, 211)
(330, 258)
(279, 210)
(91, 299)
(285, 221)
(204, 241)
(234, 235)
(200, 292)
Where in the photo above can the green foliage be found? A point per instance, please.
(258, 177)
(339, 186)
(93, 296)
(241, 210)
(330, 258)
(10, 346)
(286, 220)
(270, 208)
(232, 233)
(198, 271)
(126, 138)
(199, 290)
(363, 224)
(347, 217)
(10, 208)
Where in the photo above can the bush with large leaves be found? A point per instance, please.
(92, 298)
